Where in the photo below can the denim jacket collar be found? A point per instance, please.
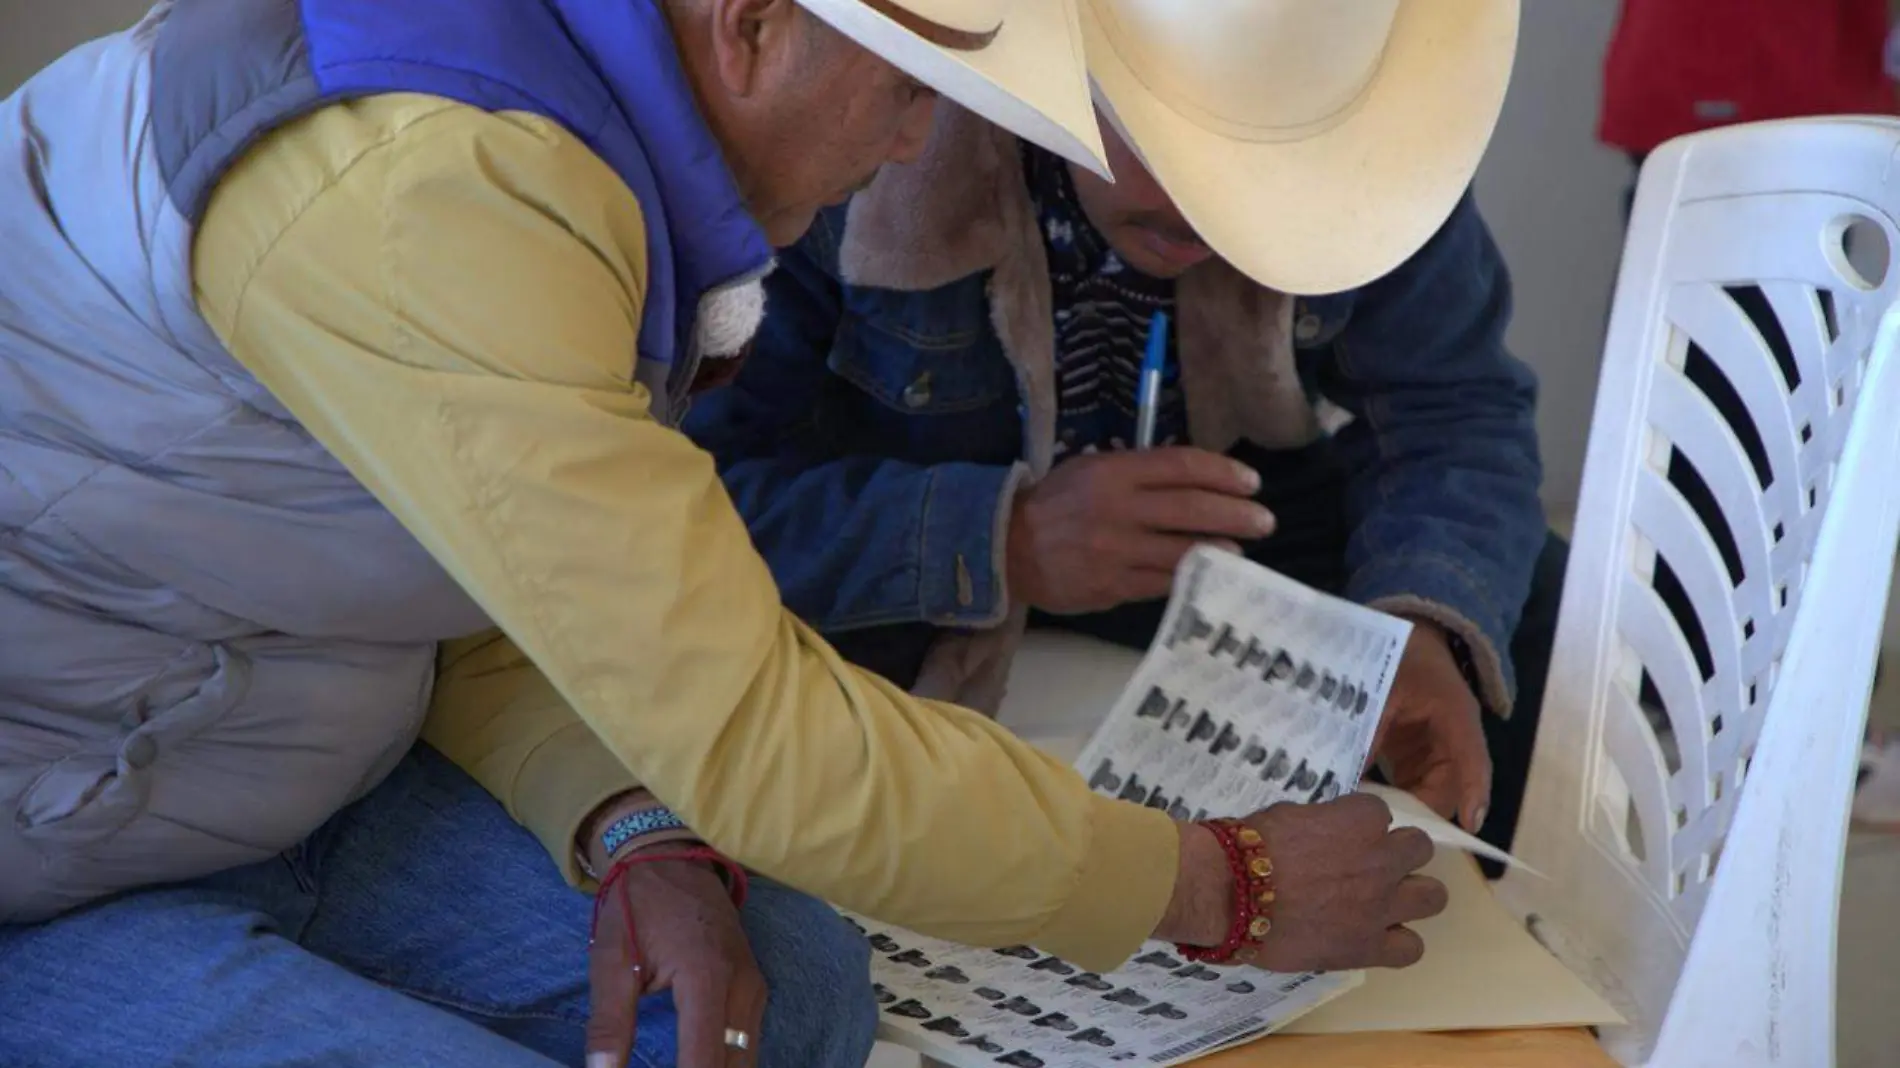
(964, 208)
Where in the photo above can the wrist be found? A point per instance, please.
(638, 876)
(670, 854)
(587, 840)
(634, 822)
(1201, 910)
(1019, 557)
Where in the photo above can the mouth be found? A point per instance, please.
(1175, 252)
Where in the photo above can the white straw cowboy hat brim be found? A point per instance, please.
(1017, 63)
(1315, 145)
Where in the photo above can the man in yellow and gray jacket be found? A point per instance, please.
(333, 330)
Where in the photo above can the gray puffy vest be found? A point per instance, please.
(211, 636)
(158, 721)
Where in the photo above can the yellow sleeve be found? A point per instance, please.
(502, 720)
(448, 300)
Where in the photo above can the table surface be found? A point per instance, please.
(1561, 1048)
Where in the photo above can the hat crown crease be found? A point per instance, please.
(1257, 70)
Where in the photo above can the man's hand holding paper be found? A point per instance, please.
(1345, 888)
(1260, 700)
(1431, 738)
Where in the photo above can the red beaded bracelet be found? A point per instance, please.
(735, 879)
(1253, 893)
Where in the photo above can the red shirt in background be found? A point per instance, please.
(1678, 66)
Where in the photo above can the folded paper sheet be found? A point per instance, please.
(1409, 811)
(1258, 690)
(1482, 971)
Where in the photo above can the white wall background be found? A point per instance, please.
(1554, 198)
(32, 32)
(1551, 194)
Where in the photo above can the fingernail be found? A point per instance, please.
(1263, 522)
(603, 1059)
(1477, 819)
(1249, 478)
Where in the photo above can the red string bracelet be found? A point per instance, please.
(1253, 893)
(735, 878)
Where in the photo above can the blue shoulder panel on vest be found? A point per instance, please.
(631, 46)
(498, 55)
(227, 72)
(223, 75)
(606, 71)
(495, 54)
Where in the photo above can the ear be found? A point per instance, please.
(749, 37)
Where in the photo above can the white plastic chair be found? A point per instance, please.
(1696, 869)
(1753, 774)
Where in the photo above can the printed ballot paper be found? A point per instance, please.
(1257, 690)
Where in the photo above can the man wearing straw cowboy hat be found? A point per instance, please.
(335, 330)
(950, 372)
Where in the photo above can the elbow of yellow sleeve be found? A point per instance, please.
(1123, 888)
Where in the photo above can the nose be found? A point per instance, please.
(914, 132)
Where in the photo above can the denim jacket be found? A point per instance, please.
(902, 389)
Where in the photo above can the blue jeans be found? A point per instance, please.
(420, 927)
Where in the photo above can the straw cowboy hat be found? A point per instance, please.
(1315, 145)
(1017, 63)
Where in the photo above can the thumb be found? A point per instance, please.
(1380, 730)
(1439, 790)
(1477, 794)
(615, 981)
(1472, 755)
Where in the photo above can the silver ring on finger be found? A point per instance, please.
(737, 1039)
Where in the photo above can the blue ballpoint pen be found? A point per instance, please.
(1148, 390)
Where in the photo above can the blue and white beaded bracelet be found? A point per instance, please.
(638, 825)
